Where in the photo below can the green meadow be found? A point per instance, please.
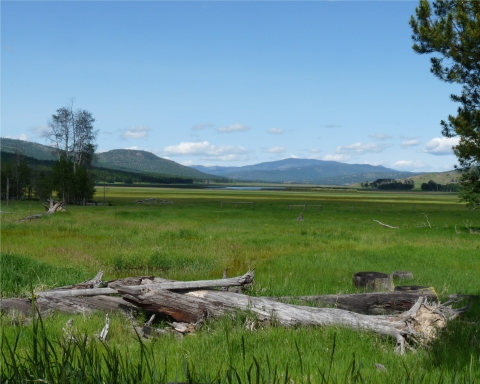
(200, 235)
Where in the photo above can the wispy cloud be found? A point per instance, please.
(315, 150)
(375, 163)
(360, 149)
(22, 136)
(135, 148)
(274, 150)
(234, 128)
(9, 48)
(410, 143)
(409, 164)
(340, 157)
(40, 130)
(199, 127)
(276, 131)
(380, 136)
(207, 151)
(441, 146)
(134, 132)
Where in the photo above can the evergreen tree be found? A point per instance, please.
(451, 28)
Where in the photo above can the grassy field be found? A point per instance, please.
(195, 238)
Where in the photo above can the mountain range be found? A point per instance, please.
(292, 170)
(309, 171)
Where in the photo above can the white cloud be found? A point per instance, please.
(372, 162)
(198, 127)
(276, 131)
(40, 130)
(315, 150)
(22, 136)
(360, 149)
(134, 132)
(380, 136)
(410, 143)
(408, 164)
(135, 148)
(207, 151)
(337, 158)
(274, 150)
(187, 162)
(234, 128)
(441, 146)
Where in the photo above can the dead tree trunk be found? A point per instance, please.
(421, 321)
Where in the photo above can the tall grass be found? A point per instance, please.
(196, 239)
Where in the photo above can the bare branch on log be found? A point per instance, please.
(247, 278)
(365, 303)
(137, 289)
(385, 225)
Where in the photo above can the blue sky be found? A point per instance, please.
(229, 83)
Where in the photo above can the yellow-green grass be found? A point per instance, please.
(196, 239)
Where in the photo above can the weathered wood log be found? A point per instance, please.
(73, 305)
(136, 289)
(247, 278)
(365, 303)
(58, 206)
(375, 281)
(421, 321)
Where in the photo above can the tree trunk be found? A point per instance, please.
(420, 321)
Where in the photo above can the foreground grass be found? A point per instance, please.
(196, 239)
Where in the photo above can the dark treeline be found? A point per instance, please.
(111, 176)
(435, 187)
(24, 177)
(390, 185)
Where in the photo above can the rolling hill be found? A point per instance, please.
(119, 159)
(142, 161)
(306, 171)
(27, 148)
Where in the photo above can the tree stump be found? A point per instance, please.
(373, 281)
(402, 275)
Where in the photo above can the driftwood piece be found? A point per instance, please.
(385, 225)
(365, 303)
(374, 281)
(420, 322)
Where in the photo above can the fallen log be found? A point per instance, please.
(247, 278)
(73, 305)
(58, 206)
(366, 303)
(420, 322)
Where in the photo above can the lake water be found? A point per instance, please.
(248, 188)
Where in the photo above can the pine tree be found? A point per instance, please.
(451, 28)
